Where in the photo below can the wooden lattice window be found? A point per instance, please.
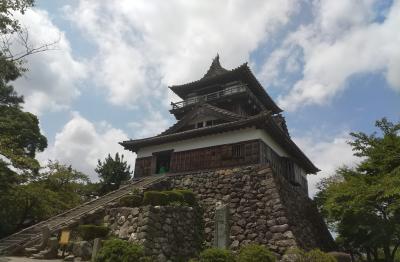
(237, 150)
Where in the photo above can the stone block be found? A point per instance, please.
(82, 249)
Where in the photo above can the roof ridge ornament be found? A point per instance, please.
(215, 68)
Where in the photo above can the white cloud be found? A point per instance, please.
(53, 77)
(145, 45)
(327, 155)
(152, 125)
(343, 40)
(81, 143)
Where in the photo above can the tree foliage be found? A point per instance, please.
(255, 253)
(20, 137)
(54, 190)
(362, 204)
(113, 172)
(9, 71)
(216, 255)
(8, 24)
(69, 183)
(117, 250)
(314, 255)
(27, 195)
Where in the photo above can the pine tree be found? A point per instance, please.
(112, 173)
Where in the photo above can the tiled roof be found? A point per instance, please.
(217, 76)
(263, 120)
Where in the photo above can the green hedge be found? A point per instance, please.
(155, 198)
(255, 253)
(131, 201)
(188, 196)
(216, 255)
(174, 196)
(163, 198)
(314, 255)
(117, 250)
(89, 232)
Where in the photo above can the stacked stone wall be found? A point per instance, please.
(170, 233)
(263, 208)
(307, 224)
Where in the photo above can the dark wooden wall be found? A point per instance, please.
(283, 166)
(144, 166)
(216, 156)
(228, 155)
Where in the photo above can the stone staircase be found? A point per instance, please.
(32, 235)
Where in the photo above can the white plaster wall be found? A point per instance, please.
(201, 119)
(214, 140)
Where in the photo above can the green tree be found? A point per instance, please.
(362, 204)
(69, 183)
(26, 195)
(26, 205)
(112, 172)
(57, 188)
(9, 71)
(8, 24)
(20, 136)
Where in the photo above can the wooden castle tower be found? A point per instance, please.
(225, 119)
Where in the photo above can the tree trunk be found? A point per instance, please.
(369, 259)
(352, 256)
(375, 254)
(388, 254)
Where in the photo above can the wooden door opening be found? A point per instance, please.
(163, 161)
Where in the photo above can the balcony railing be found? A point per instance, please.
(228, 91)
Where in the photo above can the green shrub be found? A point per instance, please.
(188, 196)
(89, 232)
(155, 198)
(136, 191)
(131, 201)
(174, 196)
(314, 255)
(117, 250)
(255, 253)
(216, 255)
(317, 255)
(342, 257)
(397, 256)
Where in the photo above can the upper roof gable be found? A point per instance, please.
(203, 109)
(215, 68)
(218, 75)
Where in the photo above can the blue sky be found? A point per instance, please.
(333, 66)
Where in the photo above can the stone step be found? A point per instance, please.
(68, 217)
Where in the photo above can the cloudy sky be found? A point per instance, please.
(333, 66)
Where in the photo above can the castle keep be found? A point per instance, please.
(225, 119)
(231, 146)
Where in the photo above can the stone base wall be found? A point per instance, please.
(263, 208)
(307, 224)
(170, 233)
